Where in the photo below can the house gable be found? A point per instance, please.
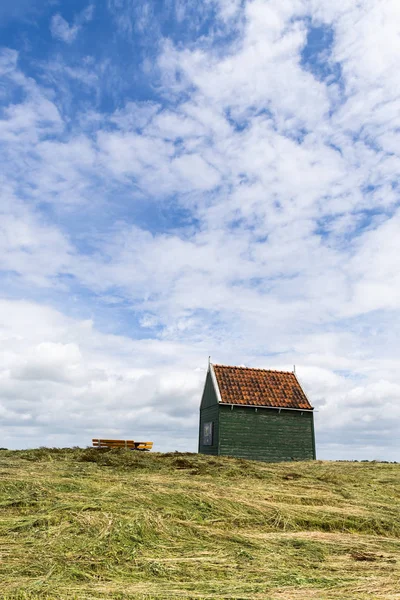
(210, 394)
(209, 416)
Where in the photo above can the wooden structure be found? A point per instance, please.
(256, 414)
(127, 444)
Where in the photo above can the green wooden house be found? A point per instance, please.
(256, 414)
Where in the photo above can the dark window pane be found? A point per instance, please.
(208, 434)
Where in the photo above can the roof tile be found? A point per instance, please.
(260, 387)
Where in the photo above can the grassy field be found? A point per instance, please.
(91, 524)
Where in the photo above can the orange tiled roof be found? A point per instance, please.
(259, 387)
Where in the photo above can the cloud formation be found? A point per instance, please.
(61, 30)
(232, 190)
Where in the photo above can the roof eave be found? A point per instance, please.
(268, 406)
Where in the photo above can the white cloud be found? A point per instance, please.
(8, 61)
(62, 375)
(62, 381)
(134, 115)
(61, 30)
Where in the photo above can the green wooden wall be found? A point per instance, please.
(267, 434)
(209, 412)
(208, 415)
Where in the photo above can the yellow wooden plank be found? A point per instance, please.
(116, 444)
(103, 441)
(131, 444)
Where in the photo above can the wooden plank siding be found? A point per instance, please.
(266, 434)
(209, 415)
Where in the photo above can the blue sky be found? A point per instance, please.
(186, 179)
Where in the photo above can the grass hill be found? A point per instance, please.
(90, 524)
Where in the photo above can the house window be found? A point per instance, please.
(208, 434)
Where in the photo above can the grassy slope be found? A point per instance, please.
(89, 524)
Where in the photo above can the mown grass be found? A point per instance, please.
(90, 524)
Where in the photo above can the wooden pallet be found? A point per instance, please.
(127, 444)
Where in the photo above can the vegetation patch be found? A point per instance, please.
(95, 524)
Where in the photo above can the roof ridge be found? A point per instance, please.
(253, 369)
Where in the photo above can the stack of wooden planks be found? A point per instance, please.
(127, 444)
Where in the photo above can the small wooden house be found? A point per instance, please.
(256, 414)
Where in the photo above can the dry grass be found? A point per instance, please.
(91, 524)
